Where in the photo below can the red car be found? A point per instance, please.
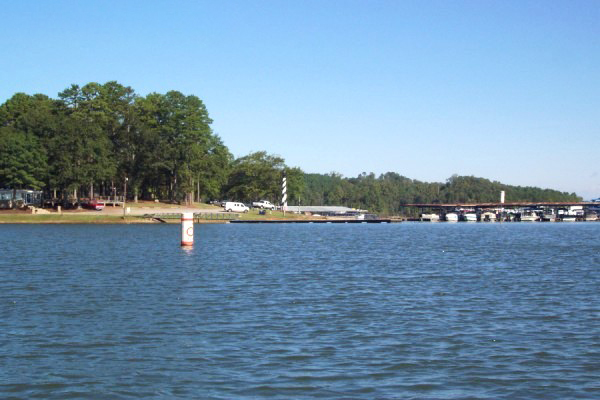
(93, 205)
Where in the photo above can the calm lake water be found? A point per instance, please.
(410, 310)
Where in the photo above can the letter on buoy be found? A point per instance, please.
(187, 229)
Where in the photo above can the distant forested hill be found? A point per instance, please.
(388, 192)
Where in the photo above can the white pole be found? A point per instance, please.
(125, 196)
(187, 229)
(502, 202)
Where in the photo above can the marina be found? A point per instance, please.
(508, 212)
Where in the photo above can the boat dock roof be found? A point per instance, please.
(499, 205)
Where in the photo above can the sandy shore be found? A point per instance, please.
(108, 215)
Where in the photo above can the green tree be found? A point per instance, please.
(80, 153)
(34, 115)
(256, 176)
(296, 185)
(177, 144)
(211, 168)
(22, 161)
(104, 112)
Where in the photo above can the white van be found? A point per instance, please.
(231, 206)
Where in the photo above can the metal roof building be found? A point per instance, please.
(325, 210)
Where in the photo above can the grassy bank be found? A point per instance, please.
(66, 219)
(251, 215)
(77, 218)
(153, 204)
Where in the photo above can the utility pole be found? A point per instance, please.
(125, 195)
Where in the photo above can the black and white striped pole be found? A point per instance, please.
(284, 194)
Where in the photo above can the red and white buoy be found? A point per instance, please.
(187, 229)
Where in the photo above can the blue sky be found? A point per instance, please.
(506, 90)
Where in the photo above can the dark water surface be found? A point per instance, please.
(301, 311)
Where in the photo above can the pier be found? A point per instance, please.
(198, 217)
(314, 221)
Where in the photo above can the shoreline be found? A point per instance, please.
(139, 215)
(91, 218)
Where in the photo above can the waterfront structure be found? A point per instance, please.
(325, 210)
(516, 211)
(22, 198)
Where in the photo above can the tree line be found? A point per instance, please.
(99, 139)
(389, 193)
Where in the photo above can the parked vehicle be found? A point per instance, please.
(232, 206)
(93, 204)
(488, 216)
(263, 204)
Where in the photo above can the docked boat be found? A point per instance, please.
(488, 217)
(452, 217)
(549, 217)
(470, 217)
(568, 218)
(591, 216)
(529, 216)
(430, 217)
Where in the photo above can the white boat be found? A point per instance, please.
(529, 216)
(430, 217)
(470, 217)
(568, 215)
(488, 216)
(451, 217)
(549, 217)
(591, 216)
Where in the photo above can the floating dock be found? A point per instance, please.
(314, 221)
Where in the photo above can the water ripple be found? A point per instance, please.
(301, 311)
